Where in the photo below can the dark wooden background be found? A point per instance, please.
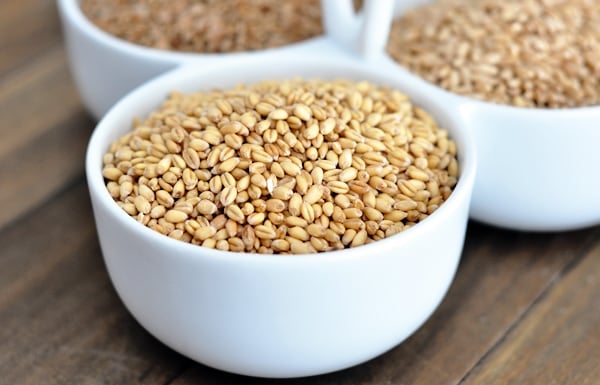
(523, 309)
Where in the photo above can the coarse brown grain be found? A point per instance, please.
(282, 187)
(525, 53)
(207, 26)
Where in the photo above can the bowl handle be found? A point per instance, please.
(365, 33)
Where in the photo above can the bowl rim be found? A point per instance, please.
(105, 132)
(73, 13)
(472, 103)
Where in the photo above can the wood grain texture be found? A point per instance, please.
(27, 28)
(524, 308)
(44, 131)
(558, 341)
(62, 322)
(35, 98)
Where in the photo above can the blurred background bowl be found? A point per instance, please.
(105, 67)
(537, 168)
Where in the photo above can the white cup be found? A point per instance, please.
(538, 169)
(276, 315)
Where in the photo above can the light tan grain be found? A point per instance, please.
(238, 174)
(529, 53)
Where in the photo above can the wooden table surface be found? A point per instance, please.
(523, 309)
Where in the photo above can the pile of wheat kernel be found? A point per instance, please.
(207, 26)
(295, 166)
(526, 53)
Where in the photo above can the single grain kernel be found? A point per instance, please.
(299, 233)
(228, 196)
(264, 232)
(111, 173)
(255, 218)
(313, 195)
(302, 248)
(303, 112)
(235, 213)
(338, 187)
(283, 193)
(175, 216)
(205, 232)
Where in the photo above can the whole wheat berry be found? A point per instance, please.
(296, 166)
(207, 26)
(526, 53)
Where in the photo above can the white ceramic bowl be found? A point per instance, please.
(538, 169)
(274, 315)
(105, 67)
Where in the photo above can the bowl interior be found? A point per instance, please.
(74, 15)
(187, 79)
